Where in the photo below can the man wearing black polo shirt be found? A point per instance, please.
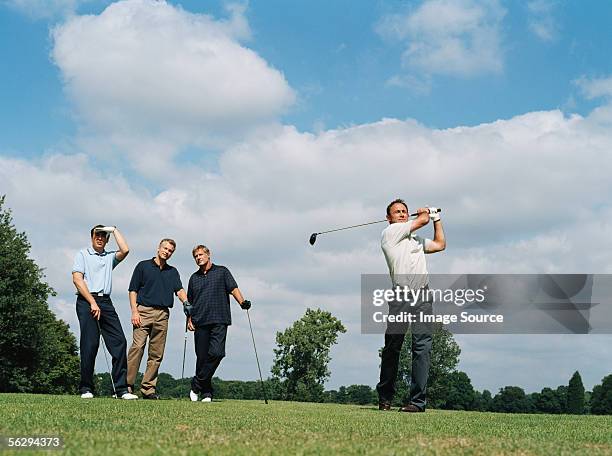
(152, 288)
(209, 316)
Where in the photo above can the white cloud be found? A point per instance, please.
(595, 87)
(457, 38)
(541, 19)
(525, 194)
(418, 86)
(147, 69)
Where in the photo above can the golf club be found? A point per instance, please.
(313, 236)
(184, 350)
(110, 372)
(263, 388)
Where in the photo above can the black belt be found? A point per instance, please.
(95, 295)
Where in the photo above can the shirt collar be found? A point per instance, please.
(91, 251)
(165, 266)
(212, 266)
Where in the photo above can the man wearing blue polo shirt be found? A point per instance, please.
(92, 277)
(152, 288)
(209, 316)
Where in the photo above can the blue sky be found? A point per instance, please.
(249, 126)
(340, 65)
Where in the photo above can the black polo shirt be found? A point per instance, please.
(155, 286)
(209, 293)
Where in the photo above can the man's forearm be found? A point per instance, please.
(121, 243)
(439, 237)
(420, 221)
(133, 303)
(182, 295)
(82, 289)
(237, 295)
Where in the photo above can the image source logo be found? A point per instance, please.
(491, 303)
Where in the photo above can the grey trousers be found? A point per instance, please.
(421, 349)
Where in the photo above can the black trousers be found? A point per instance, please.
(90, 340)
(421, 349)
(210, 350)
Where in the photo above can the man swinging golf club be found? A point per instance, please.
(92, 277)
(152, 287)
(405, 255)
(209, 316)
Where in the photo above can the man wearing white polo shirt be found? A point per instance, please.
(92, 277)
(405, 255)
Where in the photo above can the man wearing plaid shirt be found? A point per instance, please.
(209, 316)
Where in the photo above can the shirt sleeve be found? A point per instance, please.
(190, 290)
(177, 283)
(230, 283)
(136, 280)
(79, 263)
(396, 232)
(115, 260)
(425, 242)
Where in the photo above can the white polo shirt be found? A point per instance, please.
(405, 255)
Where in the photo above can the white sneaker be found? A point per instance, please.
(193, 396)
(128, 396)
(87, 395)
(207, 399)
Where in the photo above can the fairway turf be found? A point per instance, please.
(105, 426)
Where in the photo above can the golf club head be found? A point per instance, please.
(313, 238)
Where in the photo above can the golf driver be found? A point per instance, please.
(313, 236)
(110, 372)
(263, 388)
(184, 350)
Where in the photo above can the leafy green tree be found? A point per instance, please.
(38, 353)
(532, 399)
(461, 394)
(561, 392)
(575, 395)
(482, 401)
(548, 402)
(302, 355)
(511, 399)
(444, 360)
(361, 394)
(601, 397)
(587, 402)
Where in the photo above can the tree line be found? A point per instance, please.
(38, 354)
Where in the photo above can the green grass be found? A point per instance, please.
(105, 426)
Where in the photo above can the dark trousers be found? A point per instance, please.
(90, 340)
(210, 350)
(421, 349)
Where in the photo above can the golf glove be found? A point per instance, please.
(434, 213)
(107, 229)
(246, 305)
(187, 308)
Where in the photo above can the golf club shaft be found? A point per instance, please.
(353, 226)
(184, 349)
(110, 372)
(263, 388)
(362, 224)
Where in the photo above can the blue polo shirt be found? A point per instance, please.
(209, 293)
(97, 269)
(155, 286)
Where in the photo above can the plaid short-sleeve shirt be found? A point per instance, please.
(209, 293)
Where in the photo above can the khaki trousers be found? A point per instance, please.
(154, 326)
